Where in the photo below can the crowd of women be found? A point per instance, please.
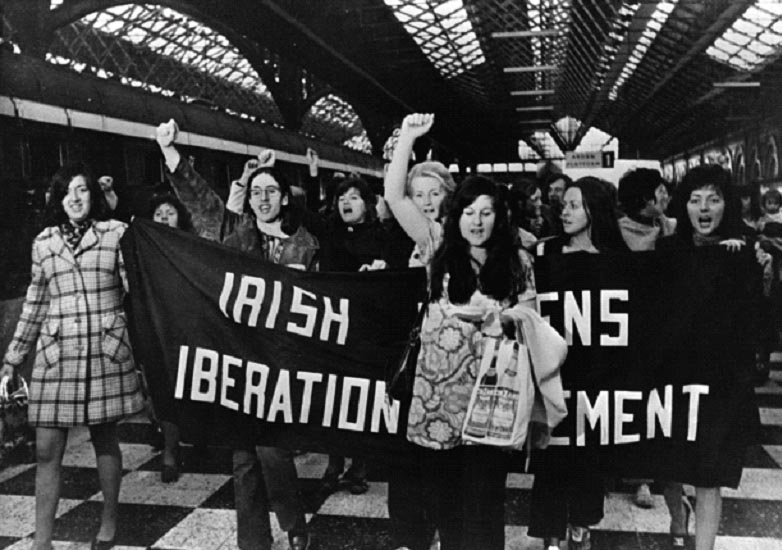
(477, 240)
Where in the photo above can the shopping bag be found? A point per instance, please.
(501, 402)
(17, 437)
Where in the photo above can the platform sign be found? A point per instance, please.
(590, 159)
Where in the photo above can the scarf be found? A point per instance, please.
(73, 232)
(272, 236)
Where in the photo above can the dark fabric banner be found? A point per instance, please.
(658, 375)
(237, 350)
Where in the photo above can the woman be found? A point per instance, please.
(355, 241)
(472, 261)
(429, 187)
(83, 372)
(268, 225)
(708, 213)
(568, 492)
(165, 208)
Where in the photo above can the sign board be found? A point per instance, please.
(590, 159)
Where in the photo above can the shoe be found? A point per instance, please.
(643, 497)
(330, 483)
(169, 474)
(101, 544)
(300, 541)
(680, 541)
(579, 538)
(356, 485)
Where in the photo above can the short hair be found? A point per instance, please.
(58, 189)
(438, 171)
(551, 177)
(367, 195)
(700, 177)
(184, 221)
(637, 188)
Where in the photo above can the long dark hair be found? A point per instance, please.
(54, 214)
(184, 221)
(502, 276)
(600, 204)
(290, 215)
(709, 175)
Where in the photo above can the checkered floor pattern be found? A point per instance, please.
(197, 511)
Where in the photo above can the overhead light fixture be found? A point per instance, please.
(536, 121)
(530, 69)
(535, 108)
(522, 93)
(737, 84)
(526, 34)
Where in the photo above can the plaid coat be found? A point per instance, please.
(83, 371)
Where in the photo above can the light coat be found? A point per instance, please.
(73, 314)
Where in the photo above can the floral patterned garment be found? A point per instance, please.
(447, 368)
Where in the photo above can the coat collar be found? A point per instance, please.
(59, 247)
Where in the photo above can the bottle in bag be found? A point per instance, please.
(480, 416)
(506, 399)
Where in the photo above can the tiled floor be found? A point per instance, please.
(197, 511)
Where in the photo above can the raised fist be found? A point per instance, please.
(266, 158)
(167, 133)
(106, 183)
(417, 124)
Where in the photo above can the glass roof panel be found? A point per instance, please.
(443, 31)
(758, 33)
(653, 26)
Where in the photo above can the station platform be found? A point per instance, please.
(196, 512)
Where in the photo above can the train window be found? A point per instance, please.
(142, 163)
(44, 154)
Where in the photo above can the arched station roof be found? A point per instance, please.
(661, 76)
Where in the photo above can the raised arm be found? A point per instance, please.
(410, 218)
(205, 205)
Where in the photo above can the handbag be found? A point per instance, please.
(400, 377)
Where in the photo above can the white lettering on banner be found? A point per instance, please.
(596, 414)
(362, 384)
(695, 391)
(319, 312)
(358, 404)
(599, 416)
(228, 382)
(255, 378)
(657, 412)
(205, 374)
(310, 312)
(254, 302)
(579, 318)
(331, 391)
(309, 378)
(621, 417)
(607, 316)
(281, 401)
